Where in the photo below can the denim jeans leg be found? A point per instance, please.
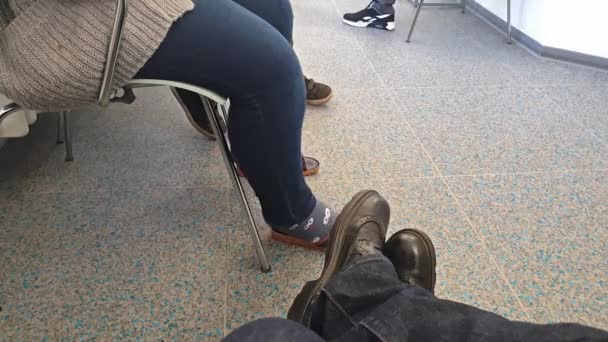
(277, 13)
(272, 330)
(351, 295)
(367, 302)
(224, 47)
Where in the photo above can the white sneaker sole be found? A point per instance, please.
(389, 26)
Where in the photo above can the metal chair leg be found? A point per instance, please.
(68, 139)
(59, 128)
(508, 21)
(223, 115)
(409, 36)
(464, 5)
(230, 165)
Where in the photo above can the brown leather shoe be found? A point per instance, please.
(317, 93)
(413, 256)
(359, 230)
(310, 167)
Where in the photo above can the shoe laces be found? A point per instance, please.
(364, 247)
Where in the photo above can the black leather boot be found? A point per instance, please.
(413, 255)
(359, 230)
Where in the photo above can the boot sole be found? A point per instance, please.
(336, 253)
(428, 244)
(319, 102)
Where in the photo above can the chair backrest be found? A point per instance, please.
(120, 17)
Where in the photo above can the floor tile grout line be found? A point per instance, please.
(429, 157)
(578, 122)
(464, 214)
(312, 180)
(466, 86)
(485, 246)
(474, 228)
(112, 189)
(226, 264)
(99, 191)
(493, 86)
(527, 173)
(506, 174)
(470, 223)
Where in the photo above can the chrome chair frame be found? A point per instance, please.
(63, 127)
(463, 5)
(214, 104)
(8, 110)
(419, 3)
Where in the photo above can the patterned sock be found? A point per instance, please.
(314, 228)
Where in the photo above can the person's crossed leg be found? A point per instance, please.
(370, 290)
(222, 46)
(279, 14)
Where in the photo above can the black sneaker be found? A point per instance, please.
(370, 17)
(198, 118)
(413, 255)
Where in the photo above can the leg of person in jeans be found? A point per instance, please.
(368, 300)
(378, 14)
(224, 47)
(375, 291)
(277, 13)
(316, 93)
(369, 297)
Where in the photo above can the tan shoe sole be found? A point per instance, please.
(290, 240)
(319, 102)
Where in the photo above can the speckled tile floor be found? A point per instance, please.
(500, 156)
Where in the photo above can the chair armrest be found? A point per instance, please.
(8, 110)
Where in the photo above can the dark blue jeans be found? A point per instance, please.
(241, 50)
(367, 302)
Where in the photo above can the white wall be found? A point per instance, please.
(575, 25)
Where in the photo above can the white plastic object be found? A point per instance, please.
(15, 126)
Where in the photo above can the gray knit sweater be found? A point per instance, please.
(52, 52)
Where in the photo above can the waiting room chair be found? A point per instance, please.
(214, 104)
(419, 3)
(462, 4)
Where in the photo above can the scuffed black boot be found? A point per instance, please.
(413, 256)
(359, 230)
